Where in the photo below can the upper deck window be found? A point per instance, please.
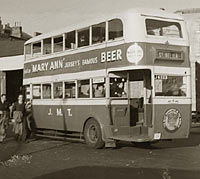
(28, 51)
(58, 44)
(163, 28)
(37, 49)
(70, 40)
(47, 46)
(83, 37)
(98, 33)
(115, 29)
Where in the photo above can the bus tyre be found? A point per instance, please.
(93, 134)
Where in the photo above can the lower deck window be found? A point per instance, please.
(70, 91)
(36, 91)
(98, 87)
(46, 91)
(58, 90)
(84, 89)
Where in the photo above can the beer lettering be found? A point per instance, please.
(111, 56)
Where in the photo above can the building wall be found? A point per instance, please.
(3, 82)
(12, 41)
(192, 18)
(11, 46)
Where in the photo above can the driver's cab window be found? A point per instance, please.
(118, 84)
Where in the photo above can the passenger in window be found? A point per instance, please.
(120, 90)
(150, 32)
(47, 92)
(99, 91)
(175, 90)
(82, 41)
(58, 92)
(117, 90)
(98, 39)
(83, 93)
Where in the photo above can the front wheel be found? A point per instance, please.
(93, 134)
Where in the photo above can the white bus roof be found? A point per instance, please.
(136, 12)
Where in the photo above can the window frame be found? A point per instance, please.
(108, 30)
(81, 30)
(51, 91)
(50, 46)
(40, 91)
(53, 40)
(70, 81)
(41, 49)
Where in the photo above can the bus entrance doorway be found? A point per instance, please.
(14, 80)
(140, 97)
(130, 93)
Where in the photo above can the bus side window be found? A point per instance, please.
(70, 40)
(37, 49)
(115, 29)
(36, 89)
(70, 90)
(98, 33)
(47, 46)
(46, 91)
(99, 90)
(27, 51)
(84, 89)
(58, 44)
(83, 37)
(27, 92)
(58, 90)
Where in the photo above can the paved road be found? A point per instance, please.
(50, 159)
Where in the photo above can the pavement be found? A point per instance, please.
(50, 159)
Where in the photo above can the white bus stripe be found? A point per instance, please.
(172, 100)
(65, 77)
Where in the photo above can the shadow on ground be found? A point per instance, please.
(98, 172)
(192, 141)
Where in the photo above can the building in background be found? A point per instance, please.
(11, 59)
(192, 18)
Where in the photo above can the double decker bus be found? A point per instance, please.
(123, 77)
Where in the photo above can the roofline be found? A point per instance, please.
(188, 11)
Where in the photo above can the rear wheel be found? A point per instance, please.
(93, 134)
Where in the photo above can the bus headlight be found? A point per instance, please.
(172, 120)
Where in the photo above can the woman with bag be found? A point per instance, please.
(18, 115)
(4, 108)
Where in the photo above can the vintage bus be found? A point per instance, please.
(125, 77)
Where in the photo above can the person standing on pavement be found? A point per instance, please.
(18, 116)
(4, 110)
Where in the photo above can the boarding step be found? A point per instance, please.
(139, 138)
(130, 133)
(54, 134)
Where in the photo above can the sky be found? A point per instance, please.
(48, 15)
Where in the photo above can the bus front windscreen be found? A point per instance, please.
(163, 28)
(170, 85)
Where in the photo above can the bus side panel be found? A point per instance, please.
(162, 114)
(148, 114)
(68, 117)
